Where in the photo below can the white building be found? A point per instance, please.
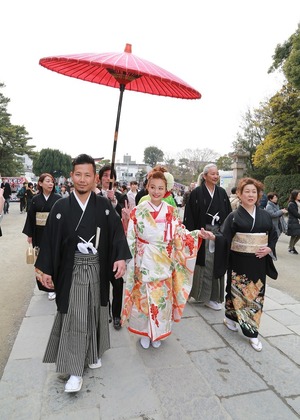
(129, 170)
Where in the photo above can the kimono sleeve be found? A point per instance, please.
(119, 245)
(30, 220)
(222, 246)
(190, 217)
(49, 245)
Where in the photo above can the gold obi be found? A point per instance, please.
(248, 242)
(41, 218)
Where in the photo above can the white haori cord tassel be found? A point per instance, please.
(215, 218)
(211, 245)
(86, 245)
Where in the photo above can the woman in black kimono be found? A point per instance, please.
(293, 229)
(248, 238)
(37, 216)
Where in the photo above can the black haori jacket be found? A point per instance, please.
(195, 215)
(60, 239)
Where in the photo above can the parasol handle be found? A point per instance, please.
(122, 88)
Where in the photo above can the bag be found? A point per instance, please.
(284, 226)
(30, 255)
(39, 275)
(21, 193)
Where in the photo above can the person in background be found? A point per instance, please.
(2, 201)
(6, 194)
(123, 189)
(63, 191)
(83, 243)
(275, 212)
(118, 202)
(207, 207)
(187, 193)
(233, 198)
(121, 197)
(159, 277)
(133, 186)
(263, 201)
(37, 217)
(69, 185)
(248, 239)
(22, 198)
(178, 198)
(57, 188)
(293, 229)
(29, 193)
(143, 191)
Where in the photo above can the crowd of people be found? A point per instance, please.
(134, 257)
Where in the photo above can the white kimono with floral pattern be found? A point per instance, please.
(159, 276)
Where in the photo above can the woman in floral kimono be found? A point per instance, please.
(159, 276)
(249, 236)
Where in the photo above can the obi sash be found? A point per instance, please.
(248, 242)
(41, 218)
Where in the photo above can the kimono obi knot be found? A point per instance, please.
(41, 218)
(248, 242)
(143, 240)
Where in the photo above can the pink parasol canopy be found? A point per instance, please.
(124, 71)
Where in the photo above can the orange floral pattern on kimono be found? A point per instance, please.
(159, 276)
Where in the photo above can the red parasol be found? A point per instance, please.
(123, 71)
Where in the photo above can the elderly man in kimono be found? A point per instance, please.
(207, 207)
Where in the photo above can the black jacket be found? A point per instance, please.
(293, 219)
(60, 239)
(6, 190)
(195, 213)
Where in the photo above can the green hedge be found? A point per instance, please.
(282, 185)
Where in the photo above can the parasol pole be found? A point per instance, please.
(113, 158)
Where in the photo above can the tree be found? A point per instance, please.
(153, 155)
(287, 59)
(280, 151)
(253, 132)
(54, 162)
(170, 164)
(224, 163)
(196, 159)
(13, 142)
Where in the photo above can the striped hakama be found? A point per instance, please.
(205, 286)
(81, 336)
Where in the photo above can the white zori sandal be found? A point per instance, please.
(256, 344)
(74, 384)
(231, 325)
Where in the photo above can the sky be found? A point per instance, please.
(222, 49)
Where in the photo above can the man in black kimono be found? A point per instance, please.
(82, 244)
(118, 201)
(207, 207)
